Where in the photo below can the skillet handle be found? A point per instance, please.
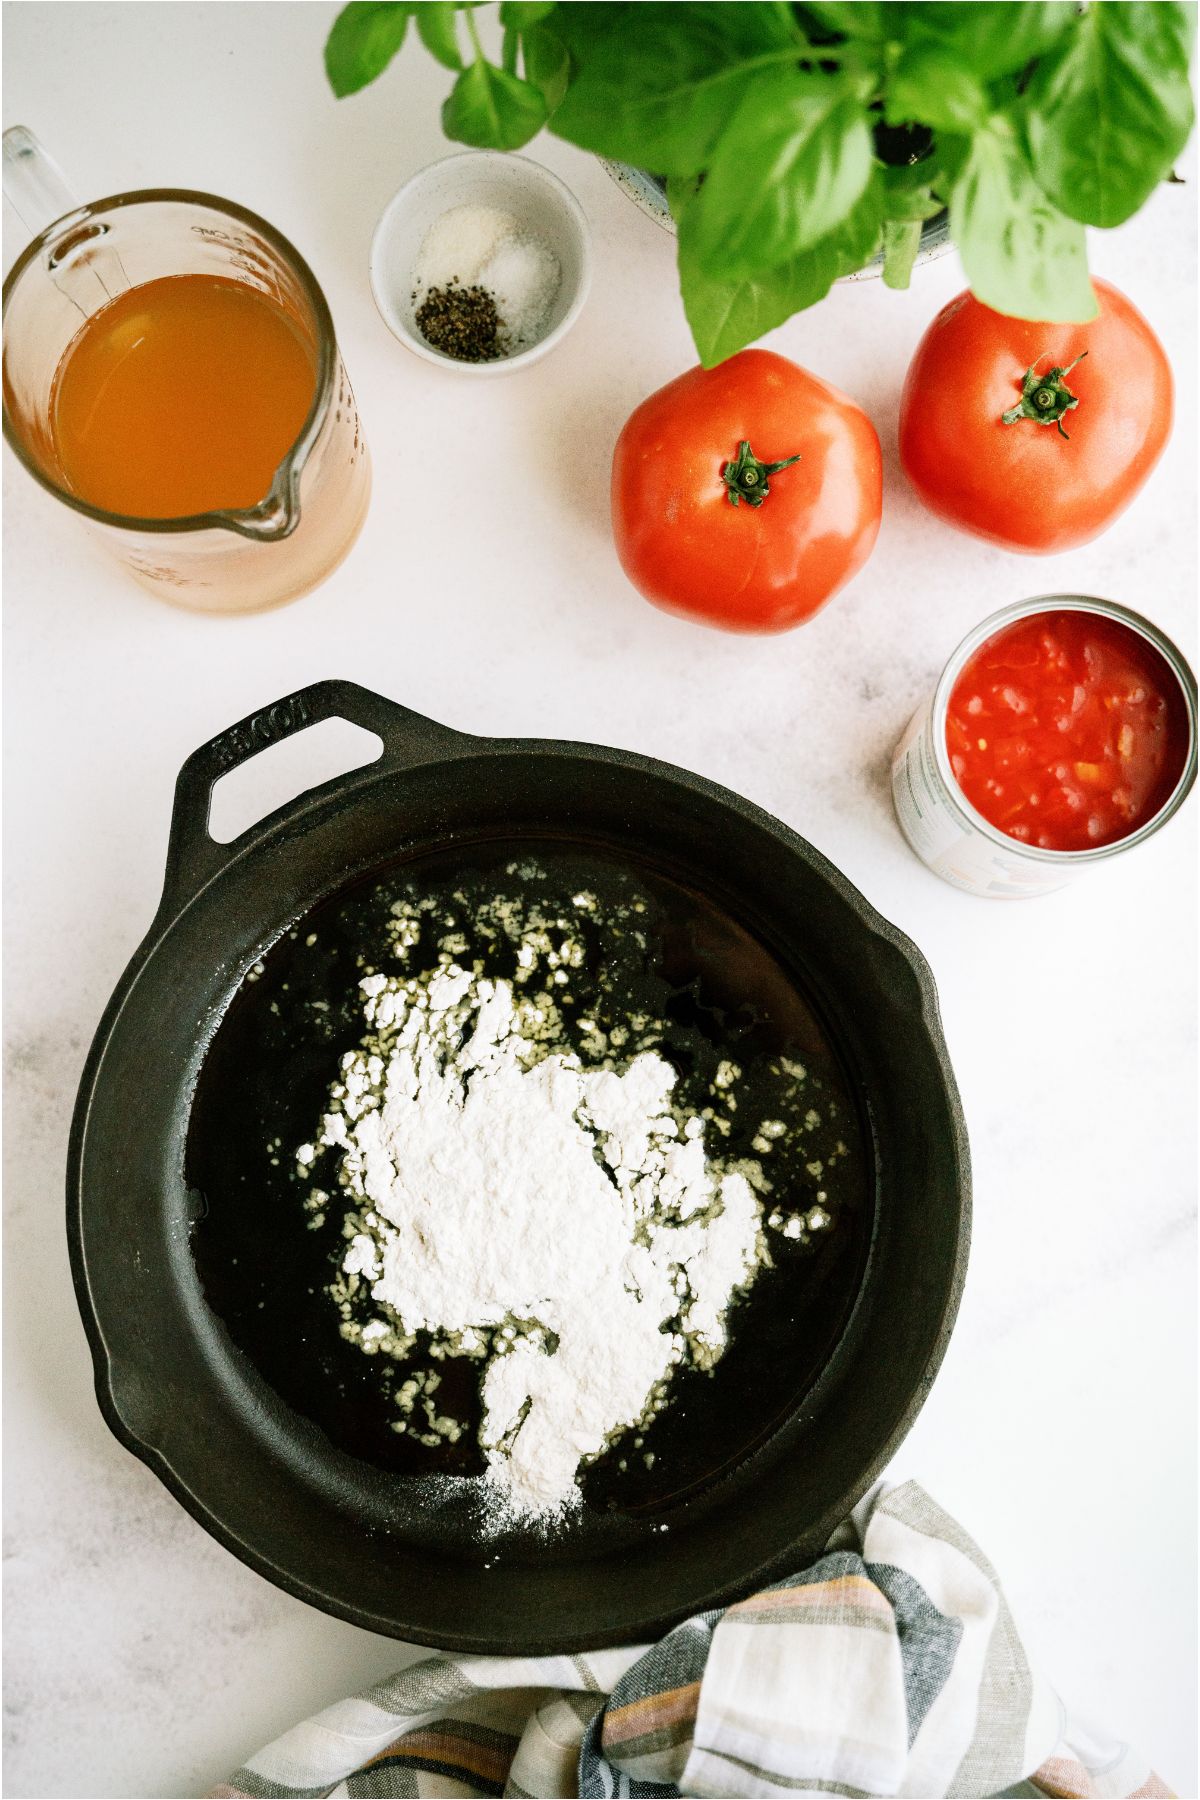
(193, 857)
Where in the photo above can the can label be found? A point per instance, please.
(943, 835)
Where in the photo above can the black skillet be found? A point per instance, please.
(266, 1481)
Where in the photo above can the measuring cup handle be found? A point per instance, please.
(193, 856)
(34, 185)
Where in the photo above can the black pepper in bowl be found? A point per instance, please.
(461, 322)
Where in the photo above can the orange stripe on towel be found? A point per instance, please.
(1064, 1778)
(817, 1593)
(492, 1763)
(652, 1713)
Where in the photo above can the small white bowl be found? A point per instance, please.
(543, 204)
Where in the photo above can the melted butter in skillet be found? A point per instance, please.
(266, 1264)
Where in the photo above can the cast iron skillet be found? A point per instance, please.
(266, 1483)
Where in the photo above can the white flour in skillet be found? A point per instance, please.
(563, 1221)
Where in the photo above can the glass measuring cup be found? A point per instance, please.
(219, 561)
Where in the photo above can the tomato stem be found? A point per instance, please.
(745, 477)
(1044, 398)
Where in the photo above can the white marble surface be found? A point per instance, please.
(144, 1660)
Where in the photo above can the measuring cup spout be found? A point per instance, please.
(273, 518)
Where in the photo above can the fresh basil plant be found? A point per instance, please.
(796, 141)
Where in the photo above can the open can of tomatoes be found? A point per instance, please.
(1062, 732)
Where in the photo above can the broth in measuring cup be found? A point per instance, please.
(181, 396)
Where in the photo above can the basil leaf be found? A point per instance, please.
(364, 38)
(519, 15)
(790, 165)
(807, 148)
(492, 110)
(1021, 255)
(930, 87)
(436, 24)
(655, 85)
(586, 23)
(725, 315)
(853, 18)
(735, 32)
(774, 23)
(748, 28)
(1108, 115)
(988, 37)
(547, 64)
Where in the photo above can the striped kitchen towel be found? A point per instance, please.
(889, 1666)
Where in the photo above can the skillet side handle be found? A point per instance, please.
(193, 856)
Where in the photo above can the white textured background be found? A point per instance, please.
(144, 1660)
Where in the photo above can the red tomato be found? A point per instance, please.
(1102, 396)
(773, 558)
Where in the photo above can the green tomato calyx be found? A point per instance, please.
(745, 477)
(1044, 398)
